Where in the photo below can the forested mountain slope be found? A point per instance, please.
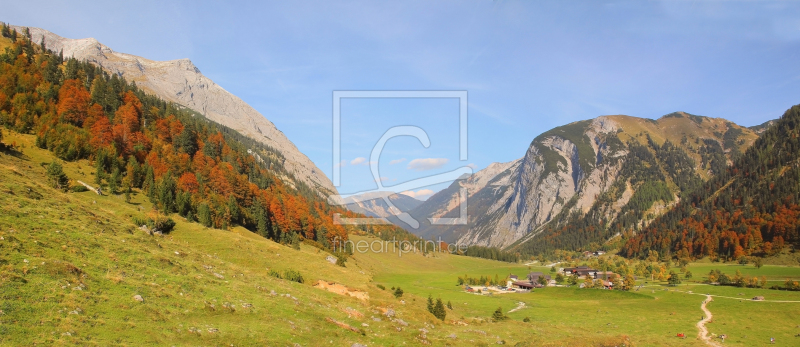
(180, 82)
(750, 208)
(583, 183)
(183, 162)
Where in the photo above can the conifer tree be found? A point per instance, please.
(204, 214)
(498, 315)
(114, 181)
(430, 304)
(438, 310)
(56, 176)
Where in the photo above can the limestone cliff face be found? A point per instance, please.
(181, 82)
(537, 194)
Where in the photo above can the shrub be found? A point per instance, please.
(163, 224)
(79, 189)
(275, 274)
(294, 276)
(341, 259)
(398, 293)
(159, 223)
(381, 287)
(526, 319)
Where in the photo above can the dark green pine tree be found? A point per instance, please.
(204, 215)
(439, 310)
(498, 315)
(149, 184)
(187, 141)
(114, 180)
(166, 193)
(56, 176)
(99, 169)
(233, 209)
(183, 204)
(430, 304)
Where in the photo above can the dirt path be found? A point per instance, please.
(520, 306)
(743, 299)
(701, 325)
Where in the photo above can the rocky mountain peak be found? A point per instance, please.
(181, 82)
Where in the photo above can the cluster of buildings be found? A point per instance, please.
(534, 279)
(605, 277)
(529, 282)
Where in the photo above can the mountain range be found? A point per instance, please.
(600, 177)
(580, 185)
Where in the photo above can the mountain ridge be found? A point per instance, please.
(180, 81)
(574, 169)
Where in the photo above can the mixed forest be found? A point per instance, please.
(139, 143)
(749, 209)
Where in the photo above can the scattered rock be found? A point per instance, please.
(343, 325)
(364, 324)
(389, 313)
(376, 319)
(331, 259)
(758, 298)
(351, 312)
(219, 276)
(247, 305)
(213, 330)
(341, 290)
(138, 297)
(452, 336)
(358, 345)
(401, 322)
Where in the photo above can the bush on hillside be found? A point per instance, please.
(292, 275)
(79, 189)
(157, 223)
(275, 274)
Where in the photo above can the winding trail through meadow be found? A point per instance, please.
(701, 325)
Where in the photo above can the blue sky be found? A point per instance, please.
(527, 66)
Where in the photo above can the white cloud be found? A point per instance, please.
(342, 163)
(473, 166)
(384, 179)
(397, 161)
(421, 194)
(425, 164)
(359, 160)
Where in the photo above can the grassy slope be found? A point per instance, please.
(82, 240)
(54, 242)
